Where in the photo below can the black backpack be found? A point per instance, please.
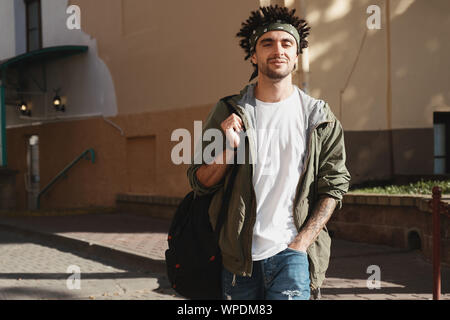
(194, 260)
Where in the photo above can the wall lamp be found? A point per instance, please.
(57, 102)
(24, 110)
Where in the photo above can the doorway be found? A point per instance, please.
(441, 142)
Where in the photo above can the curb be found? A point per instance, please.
(396, 200)
(117, 258)
(58, 212)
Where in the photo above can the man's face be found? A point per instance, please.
(275, 54)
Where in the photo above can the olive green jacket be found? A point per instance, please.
(324, 175)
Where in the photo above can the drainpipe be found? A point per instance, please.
(389, 89)
(305, 56)
(3, 158)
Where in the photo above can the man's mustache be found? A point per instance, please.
(277, 59)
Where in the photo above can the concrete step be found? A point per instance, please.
(160, 207)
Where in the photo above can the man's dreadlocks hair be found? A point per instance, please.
(268, 15)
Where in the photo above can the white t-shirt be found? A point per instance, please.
(281, 146)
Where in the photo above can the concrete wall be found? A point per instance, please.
(337, 30)
(420, 70)
(390, 220)
(7, 30)
(85, 81)
(156, 66)
(162, 82)
(167, 55)
(419, 75)
(368, 153)
(87, 75)
(20, 26)
(132, 156)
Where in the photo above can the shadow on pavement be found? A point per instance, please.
(93, 223)
(27, 293)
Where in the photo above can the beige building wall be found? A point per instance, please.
(170, 62)
(419, 73)
(350, 70)
(169, 54)
(337, 30)
(420, 80)
(421, 67)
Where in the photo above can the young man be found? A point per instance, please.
(274, 242)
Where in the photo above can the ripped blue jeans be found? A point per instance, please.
(284, 276)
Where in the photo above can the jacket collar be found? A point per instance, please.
(316, 111)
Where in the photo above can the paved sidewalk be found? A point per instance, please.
(134, 239)
(142, 240)
(30, 270)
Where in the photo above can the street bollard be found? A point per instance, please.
(437, 193)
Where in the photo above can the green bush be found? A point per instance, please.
(421, 187)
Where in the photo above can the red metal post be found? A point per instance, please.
(437, 193)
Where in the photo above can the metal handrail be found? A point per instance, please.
(89, 154)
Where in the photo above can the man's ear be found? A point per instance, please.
(253, 58)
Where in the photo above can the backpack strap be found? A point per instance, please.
(229, 189)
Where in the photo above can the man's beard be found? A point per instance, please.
(275, 74)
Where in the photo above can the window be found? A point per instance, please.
(441, 142)
(34, 28)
